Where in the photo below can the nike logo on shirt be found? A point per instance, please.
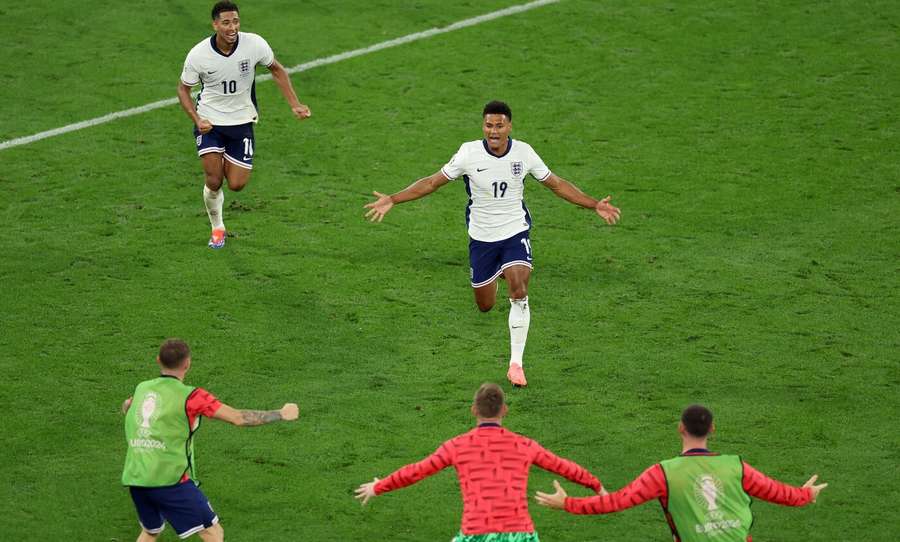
(479, 170)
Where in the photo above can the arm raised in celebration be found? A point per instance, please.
(569, 192)
(419, 189)
(288, 412)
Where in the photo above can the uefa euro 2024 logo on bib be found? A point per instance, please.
(706, 492)
(148, 413)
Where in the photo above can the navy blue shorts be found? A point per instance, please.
(236, 142)
(488, 260)
(184, 506)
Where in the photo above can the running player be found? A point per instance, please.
(492, 464)
(705, 496)
(225, 65)
(494, 170)
(160, 421)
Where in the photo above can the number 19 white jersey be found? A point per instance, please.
(228, 96)
(496, 187)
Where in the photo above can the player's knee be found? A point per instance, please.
(213, 534)
(237, 185)
(484, 306)
(518, 291)
(213, 182)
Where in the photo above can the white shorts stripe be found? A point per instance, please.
(208, 150)
(153, 531)
(516, 262)
(198, 528)
(238, 162)
(500, 271)
(191, 531)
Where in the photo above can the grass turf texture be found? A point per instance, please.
(752, 148)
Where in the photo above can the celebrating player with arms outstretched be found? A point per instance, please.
(161, 419)
(494, 171)
(705, 496)
(492, 464)
(225, 65)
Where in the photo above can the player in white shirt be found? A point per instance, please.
(225, 65)
(493, 170)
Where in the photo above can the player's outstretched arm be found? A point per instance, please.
(651, 484)
(569, 469)
(407, 475)
(184, 98)
(814, 488)
(366, 491)
(569, 192)
(760, 486)
(421, 188)
(288, 412)
(283, 79)
(553, 500)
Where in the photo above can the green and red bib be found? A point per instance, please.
(707, 501)
(158, 434)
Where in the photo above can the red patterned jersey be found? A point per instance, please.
(199, 403)
(492, 464)
(651, 484)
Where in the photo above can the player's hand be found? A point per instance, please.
(126, 405)
(607, 211)
(366, 491)
(556, 500)
(204, 126)
(811, 484)
(602, 492)
(379, 208)
(289, 412)
(301, 111)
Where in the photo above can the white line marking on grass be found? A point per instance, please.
(296, 69)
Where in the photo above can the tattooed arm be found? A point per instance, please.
(288, 412)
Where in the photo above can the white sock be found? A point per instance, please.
(519, 318)
(214, 202)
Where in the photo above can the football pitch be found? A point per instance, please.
(753, 150)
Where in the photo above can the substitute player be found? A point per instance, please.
(492, 464)
(494, 170)
(705, 496)
(160, 421)
(225, 65)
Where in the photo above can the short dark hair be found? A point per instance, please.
(489, 400)
(497, 107)
(697, 420)
(225, 5)
(173, 353)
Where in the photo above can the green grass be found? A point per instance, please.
(752, 148)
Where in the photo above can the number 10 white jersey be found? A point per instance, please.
(228, 96)
(496, 187)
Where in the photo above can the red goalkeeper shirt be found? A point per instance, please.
(492, 464)
(651, 484)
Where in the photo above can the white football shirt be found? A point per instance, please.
(228, 96)
(496, 187)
